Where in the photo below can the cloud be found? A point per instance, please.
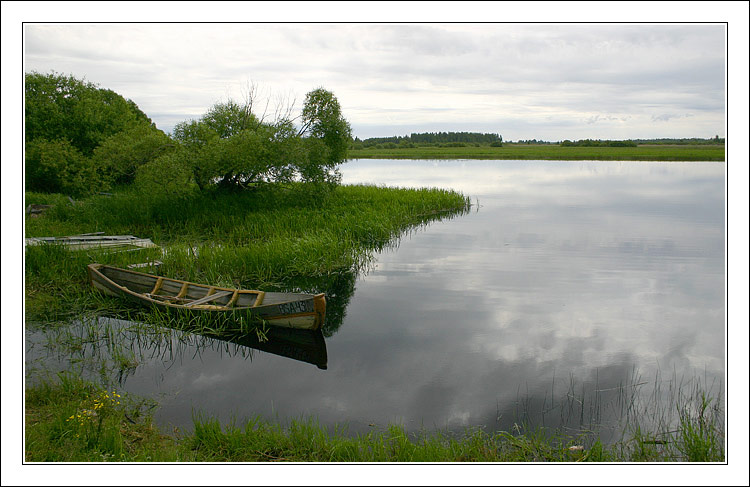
(525, 79)
(666, 117)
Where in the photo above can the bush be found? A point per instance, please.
(63, 107)
(55, 166)
(166, 175)
(120, 155)
(232, 147)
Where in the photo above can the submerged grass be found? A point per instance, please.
(71, 420)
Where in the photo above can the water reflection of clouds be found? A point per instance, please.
(577, 272)
(612, 251)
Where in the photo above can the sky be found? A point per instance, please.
(521, 81)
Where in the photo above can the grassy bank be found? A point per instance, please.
(269, 237)
(71, 420)
(550, 152)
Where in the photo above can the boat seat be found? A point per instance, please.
(209, 298)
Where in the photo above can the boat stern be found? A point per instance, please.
(319, 304)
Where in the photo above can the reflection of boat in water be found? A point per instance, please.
(303, 345)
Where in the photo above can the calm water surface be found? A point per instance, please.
(566, 280)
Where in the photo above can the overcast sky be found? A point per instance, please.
(522, 81)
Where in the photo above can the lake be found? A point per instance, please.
(566, 289)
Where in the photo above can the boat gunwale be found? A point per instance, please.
(143, 297)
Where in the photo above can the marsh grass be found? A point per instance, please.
(639, 420)
(659, 419)
(72, 420)
(667, 420)
(271, 236)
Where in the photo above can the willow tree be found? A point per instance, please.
(232, 146)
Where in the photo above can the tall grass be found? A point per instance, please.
(71, 420)
(68, 419)
(270, 236)
(657, 420)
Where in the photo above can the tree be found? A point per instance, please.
(55, 166)
(230, 118)
(120, 155)
(66, 120)
(322, 121)
(232, 146)
(166, 176)
(59, 107)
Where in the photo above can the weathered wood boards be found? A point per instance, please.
(94, 241)
(292, 310)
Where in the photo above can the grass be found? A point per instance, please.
(664, 420)
(269, 238)
(551, 152)
(72, 420)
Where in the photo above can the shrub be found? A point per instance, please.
(55, 166)
(167, 175)
(121, 154)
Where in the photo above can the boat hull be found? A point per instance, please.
(291, 310)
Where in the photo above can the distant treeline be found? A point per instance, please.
(466, 139)
(442, 139)
(715, 140)
(635, 142)
(532, 142)
(599, 143)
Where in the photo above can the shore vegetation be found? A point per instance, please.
(251, 199)
(71, 420)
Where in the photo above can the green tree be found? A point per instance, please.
(119, 156)
(230, 118)
(66, 120)
(322, 120)
(232, 146)
(165, 176)
(59, 107)
(55, 166)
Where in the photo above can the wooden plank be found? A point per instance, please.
(209, 298)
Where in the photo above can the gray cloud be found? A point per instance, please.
(552, 81)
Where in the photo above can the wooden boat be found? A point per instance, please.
(291, 310)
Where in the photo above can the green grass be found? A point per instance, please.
(551, 152)
(71, 420)
(272, 237)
